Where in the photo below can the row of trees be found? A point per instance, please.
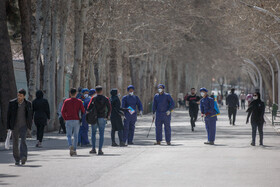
(181, 44)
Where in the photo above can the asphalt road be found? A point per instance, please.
(188, 162)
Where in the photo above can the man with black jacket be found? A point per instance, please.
(103, 108)
(193, 101)
(232, 102)
(19, 120)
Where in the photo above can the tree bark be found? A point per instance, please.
(7, 78)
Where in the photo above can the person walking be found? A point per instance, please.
(83, 133)
(193, 101)
(103, 108)
(71, 110)
(256, 112)
(116, 118)
(41, 111)
(232, 102)
(163, 105)
(209, 114)
(130, 102)
(19, 119)
(242, 99)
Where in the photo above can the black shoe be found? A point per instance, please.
(168, 143)
(211, 143)
(233, 124)
(208, 143)
(23, 160)
(93, 151)
(17, 163)
(114, 144)
(122, 144)
(253, 144)
(100, 152)
(130, 143)
(192, 129)
(230, 121)
(261, 144)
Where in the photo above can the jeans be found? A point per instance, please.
(243, 104)
(232, 112)
(19, 133)
(120, 134)
(101, 124)
(72, 128)
(256, 126)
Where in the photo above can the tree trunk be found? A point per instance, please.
(7, 78)
(25, 15)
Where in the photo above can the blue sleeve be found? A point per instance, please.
(154, 105)
(123, 102)
(171, 103)
(139, 104)
(212, 107)
(202, 108)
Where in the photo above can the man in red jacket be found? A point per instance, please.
(71, 114)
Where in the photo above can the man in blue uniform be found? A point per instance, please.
(130, 101)
(209, 113)
(163, 105)
(83, 133)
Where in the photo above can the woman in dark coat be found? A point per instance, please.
(256, 111)
(41, 111)
(116, 118)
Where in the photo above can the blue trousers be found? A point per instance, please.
(83, 133)
(210, 124)
(101, 124)
(162, 118)
(72, 128)
(129, 128)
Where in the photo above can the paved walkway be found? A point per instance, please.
(188, 162)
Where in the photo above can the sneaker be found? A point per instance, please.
(93, 151)
(168, 143)
(207, 142)
(23, 160)
(75, 153)
(122, 144)
(157, 143)
(114, 144)
(100, 152)
(230, 121)
(17, 163)
(192, 129)
(130, 143)
(253, 144)
(71, 148)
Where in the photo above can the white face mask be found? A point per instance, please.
(130, 93)
(86, 95)
(159, 90)
(119, 95)
(255, 97)
(202, 94)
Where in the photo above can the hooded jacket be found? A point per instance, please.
(256, 111)
(41, 109)
(102, 105)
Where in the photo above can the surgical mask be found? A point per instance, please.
(159, 90)
(255, 97)
(130, 93)
(86, 95)
(119, 95)
(202, 94)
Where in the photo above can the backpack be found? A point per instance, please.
(216, 107)
(91, 116)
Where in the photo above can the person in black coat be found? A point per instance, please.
(256, 111)
(41, 111)
(116, 118)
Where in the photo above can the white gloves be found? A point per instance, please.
(141, 113)
(168, 113)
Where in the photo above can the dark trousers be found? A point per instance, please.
(62, 124)
(120, 134)
(243, 104)
(22, 152)
(40, 131)
(232, 112)
(256, 126)
(193, 115)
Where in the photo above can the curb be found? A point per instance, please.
(274, 127)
